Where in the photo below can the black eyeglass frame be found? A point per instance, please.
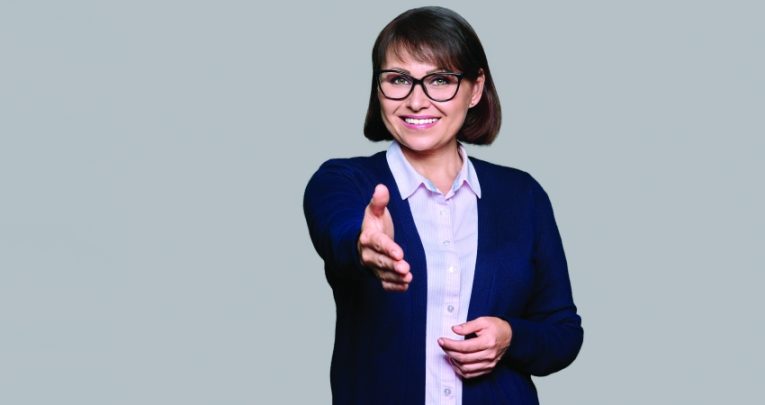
(420, 81)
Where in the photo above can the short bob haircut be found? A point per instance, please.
(442, 37)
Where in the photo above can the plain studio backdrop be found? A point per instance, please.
(153, 156)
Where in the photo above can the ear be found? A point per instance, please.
(477, 92)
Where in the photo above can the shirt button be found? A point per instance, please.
(450, 308)
(447, 392)
(451, 269)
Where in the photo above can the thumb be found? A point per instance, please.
(469, 327)
(380, 199)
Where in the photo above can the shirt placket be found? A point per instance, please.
(450, 310)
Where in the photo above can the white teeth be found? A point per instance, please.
(416, 121)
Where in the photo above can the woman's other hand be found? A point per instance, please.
(377, 249)
(478, 356)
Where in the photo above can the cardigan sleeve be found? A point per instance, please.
(548, 336)
(334, 209)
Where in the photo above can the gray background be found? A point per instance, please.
(153, 156)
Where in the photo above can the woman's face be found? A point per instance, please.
(423, 126)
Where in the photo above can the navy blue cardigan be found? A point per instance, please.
(520, 276)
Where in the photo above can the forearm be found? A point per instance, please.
(544, 347)
(334, 211)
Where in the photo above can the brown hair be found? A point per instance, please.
(442, 37)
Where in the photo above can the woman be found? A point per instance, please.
(451, 285)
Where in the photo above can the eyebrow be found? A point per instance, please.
(436, 70)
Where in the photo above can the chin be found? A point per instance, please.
(420, 144)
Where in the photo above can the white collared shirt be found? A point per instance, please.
(448, 228)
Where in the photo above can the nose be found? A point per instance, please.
(417, 100)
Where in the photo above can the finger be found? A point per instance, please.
(484, 366)
(394, 287)
(475, 374)
(396, 276)
(462, 346)
(395, 270)
(380, 199)
(406, 275)
(402, 267)
(383, 243)
(377, 261)
(472, 371)
(470, 358)
(456, 368)
(384, 268)
(473, 367)
(474, 326)
(387, 275)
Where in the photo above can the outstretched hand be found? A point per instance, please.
(478, 356)
(376, 247)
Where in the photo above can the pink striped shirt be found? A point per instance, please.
(448, 227)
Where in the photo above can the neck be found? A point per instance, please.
(441, 166)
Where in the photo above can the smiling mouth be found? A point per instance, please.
(420, 121)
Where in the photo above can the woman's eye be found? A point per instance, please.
(442, 80)
(400, 80)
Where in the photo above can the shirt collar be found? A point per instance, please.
(409, 180)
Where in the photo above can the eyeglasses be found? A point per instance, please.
(440, 86)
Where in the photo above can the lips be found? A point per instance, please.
(419, 122)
